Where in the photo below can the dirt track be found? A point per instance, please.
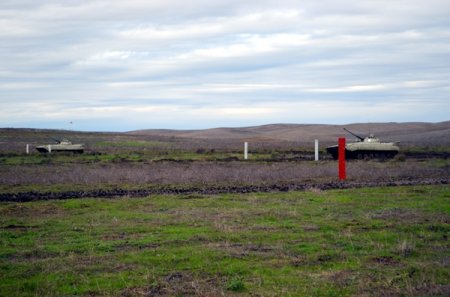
(114, 193)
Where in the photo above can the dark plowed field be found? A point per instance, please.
(112, 193)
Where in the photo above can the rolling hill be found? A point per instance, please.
(408, 133)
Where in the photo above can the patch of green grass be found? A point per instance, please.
(125, 156)
(369, 241)
(130, 143)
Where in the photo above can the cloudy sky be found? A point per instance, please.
(135, 64)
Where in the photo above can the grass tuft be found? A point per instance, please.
(406, 248)
(236, 284)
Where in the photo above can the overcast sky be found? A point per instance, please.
(134, 64)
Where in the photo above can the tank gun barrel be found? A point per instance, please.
(55, 139)
(359, 137)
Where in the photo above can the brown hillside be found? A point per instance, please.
(410, 133)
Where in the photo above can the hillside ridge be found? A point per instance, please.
(438, 133)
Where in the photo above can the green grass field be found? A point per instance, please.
(137, 156)
(359, 242)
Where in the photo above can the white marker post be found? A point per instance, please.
(245, 150)
(49, 148)
(27, 149)
(316, 150)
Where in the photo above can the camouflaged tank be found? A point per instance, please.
(62, 145)
(366, 148)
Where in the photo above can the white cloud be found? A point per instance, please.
(22, 86)
(348, 89)
(249, 46)
(208, 26)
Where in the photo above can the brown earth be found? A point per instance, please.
(213, 190)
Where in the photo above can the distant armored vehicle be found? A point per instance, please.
(62, 145)
(368, 147)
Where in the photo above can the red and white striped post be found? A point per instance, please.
(341, 152)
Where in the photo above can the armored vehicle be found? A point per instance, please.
(62, 145)
(366, 148)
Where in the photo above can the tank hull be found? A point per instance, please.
(74, 148)
(363, 153)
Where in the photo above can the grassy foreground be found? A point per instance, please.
(358, 242)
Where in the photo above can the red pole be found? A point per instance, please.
(342, 159)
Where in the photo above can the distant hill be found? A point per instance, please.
(407, 133)
(268, 136)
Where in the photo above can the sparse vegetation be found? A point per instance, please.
(48, 177)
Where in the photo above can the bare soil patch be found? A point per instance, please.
(181, 283)
(210, 190)
(386, 260)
